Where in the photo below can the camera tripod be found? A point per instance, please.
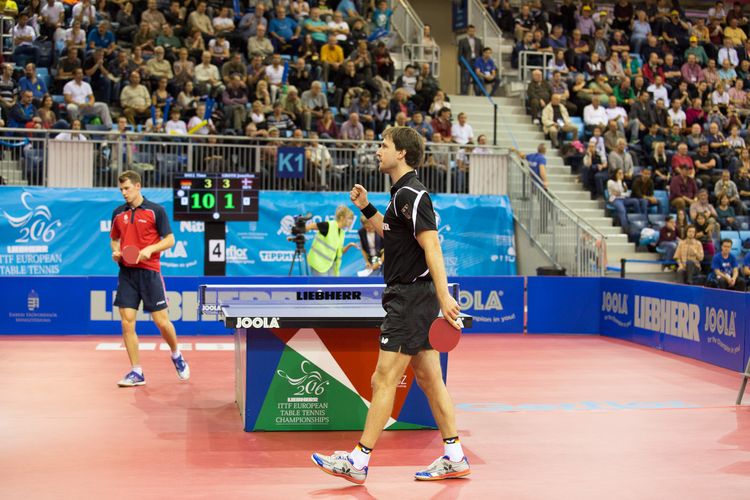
(300, 256)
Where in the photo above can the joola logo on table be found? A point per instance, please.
(257, 322)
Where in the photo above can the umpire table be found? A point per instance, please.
(304, 356)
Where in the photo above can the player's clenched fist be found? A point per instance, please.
(359, 196)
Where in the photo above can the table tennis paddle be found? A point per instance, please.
(443, 337)
(130, 254)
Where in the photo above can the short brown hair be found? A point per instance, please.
(407, 139)
(129, 175)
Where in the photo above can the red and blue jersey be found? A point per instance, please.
(141, 226)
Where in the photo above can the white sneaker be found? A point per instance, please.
(183, 370)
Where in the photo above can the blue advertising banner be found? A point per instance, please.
(55, 232)
(476, 234)
(460, 11)
(561, 304)
(705, 324)
(58, 232)
(495, 303)
(35, 305)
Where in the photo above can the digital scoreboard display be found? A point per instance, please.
(216, 197)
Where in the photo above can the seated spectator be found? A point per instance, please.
(407, 82)
(421, 126)
(382, 115)
(340, 28)
(683, 190)
(195, 44)
(668, 239)
(689, 254)
(250, 22)
(32, 83)
(462, 132)
(726, 187)
(705, 166)
(223, 23)
(259, 45)
(326, 126)
(381, 20)
(331, 57)
(219, 49)
(643, 188)
(292, 106)
(320, 161)
(363, 106)
(314, 102)
(74, 135)
(101, 37)
(155, 122)
(438, 103)
(126, 23)
(23, 112)
(207, 128)
(84, 12)
(284, 32)
(538, 93)
(144, 39)
(279, 120)
(234, 98)
(51, 18)
(702, 206)
(725, 270)
(199, 20)
(207, 78)
(487, 72)
(46, 114)
(158, 67)
(682, 162)
(677, 115)
(79, 100)
(170, 42)
(352, 129)
(660, 166)
(594, 115)
(135, 100)
(384, 67)
(726, 216)
(317, 27)
(620, 159)
(619, 197)
(183, 69)
(23, 40)
(175, 125)
(555, 119)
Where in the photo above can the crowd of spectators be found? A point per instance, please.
(658, 100)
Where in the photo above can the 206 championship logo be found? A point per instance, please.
(36, 229)
(303, 405)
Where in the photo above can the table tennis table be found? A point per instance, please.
(304, 355)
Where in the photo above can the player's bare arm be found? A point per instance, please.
(358, 195)
(429, 242)
(164, 244)
(115, 246)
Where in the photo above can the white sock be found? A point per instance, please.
(137, 369)
(453, 449)
(176, 354)
(359, 457)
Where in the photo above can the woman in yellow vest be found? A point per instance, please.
(328, 247)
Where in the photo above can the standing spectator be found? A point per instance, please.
(79, 100)
(725, 270)
(469, 48)
(689, 254)
(461, 132)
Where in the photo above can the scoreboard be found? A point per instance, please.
(216, 197)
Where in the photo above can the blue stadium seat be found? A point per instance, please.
(744, 222)
(636, 223)
(744, 235)
(610, 207)
(578, 122)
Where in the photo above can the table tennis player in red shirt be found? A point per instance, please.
(140, 232)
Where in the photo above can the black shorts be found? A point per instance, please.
(135, 284)
(409, 312)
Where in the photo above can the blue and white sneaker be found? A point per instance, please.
(444, 468)
(340, 465)
(183, 370)
(132, 379)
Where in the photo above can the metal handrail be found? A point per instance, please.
(413, 35)
(487, 95)
(565, 238)
(525, 68)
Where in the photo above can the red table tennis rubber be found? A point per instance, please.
(443, 337)
(130, 254)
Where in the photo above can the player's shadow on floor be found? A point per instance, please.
(354, 491)
(741, 440)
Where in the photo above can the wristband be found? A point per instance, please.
(369, 211)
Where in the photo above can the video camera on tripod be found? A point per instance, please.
(299, 228)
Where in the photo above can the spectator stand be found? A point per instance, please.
(488, 31)
(478, 85)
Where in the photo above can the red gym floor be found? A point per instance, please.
(540, 418)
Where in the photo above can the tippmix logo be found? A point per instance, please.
(36, 225)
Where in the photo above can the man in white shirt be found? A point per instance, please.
(594, 115)
(462, 132)
(339, 27)
(728, 52)
(617, 113)
(79, 100)
(658, 90)
(274, 74)
(676, 114)
(23, 38)
(207, 77)
(52, 18)
(85, 12)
